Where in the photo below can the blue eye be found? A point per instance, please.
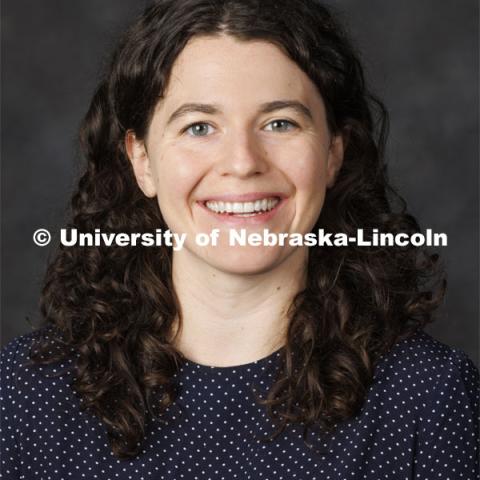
(198, 129)
(281, 126)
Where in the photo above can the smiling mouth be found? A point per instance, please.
(243, 209)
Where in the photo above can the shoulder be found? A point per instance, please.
(16, 368)
(421, 369)
(18, 349)
(14, 356)
(422, 355)
(16, 352)
(433, 390)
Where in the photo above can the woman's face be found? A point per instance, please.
(240, 127)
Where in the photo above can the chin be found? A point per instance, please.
(247, 260)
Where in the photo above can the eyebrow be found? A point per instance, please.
(191, 108)
(268, 107)
(292, 104)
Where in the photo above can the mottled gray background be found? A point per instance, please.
(421, 57)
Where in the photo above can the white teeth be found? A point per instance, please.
(243, 207)
(238, 207)
(249, 207)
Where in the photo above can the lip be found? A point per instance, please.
(258, 219)
(243, 197)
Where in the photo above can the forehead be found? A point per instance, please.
(223, 69)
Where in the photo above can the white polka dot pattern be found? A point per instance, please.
(420, 421)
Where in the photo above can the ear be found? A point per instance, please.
(335, 159)
(142, 169)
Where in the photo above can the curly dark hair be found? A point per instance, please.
(113, 308)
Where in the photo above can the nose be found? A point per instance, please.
(242, 156)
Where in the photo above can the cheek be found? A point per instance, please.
(177, 172)
(309, 176)
(310, 188)
(306, 169)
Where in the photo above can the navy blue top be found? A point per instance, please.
(420, 421)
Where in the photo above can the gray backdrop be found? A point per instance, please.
(421, 57)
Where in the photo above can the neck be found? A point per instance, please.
(231, 319)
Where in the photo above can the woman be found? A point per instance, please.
(223, 361)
